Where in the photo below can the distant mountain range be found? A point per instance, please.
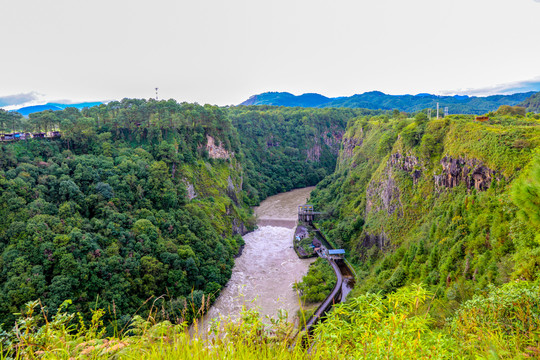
(457, 104)
(25, 111)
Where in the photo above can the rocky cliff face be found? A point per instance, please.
(383, 194)
(348, 147)
(408, 163)
(191, 194)
(233, 191)
(333, 142)
(379, 240)
(471, 172)
(215, 151)
(349, 143)
(314, 153)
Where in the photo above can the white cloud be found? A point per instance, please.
(18, 99)
(501, 89)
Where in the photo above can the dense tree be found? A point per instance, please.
(101, 216)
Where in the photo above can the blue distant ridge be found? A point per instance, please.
(27, 110)
(457, 104)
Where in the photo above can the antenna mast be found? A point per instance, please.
(157, 93)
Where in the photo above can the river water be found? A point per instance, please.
(263, 276)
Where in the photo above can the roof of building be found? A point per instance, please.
(336, 252)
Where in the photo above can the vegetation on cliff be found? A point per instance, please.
(126, 211)
(431, 201)
(135, 215)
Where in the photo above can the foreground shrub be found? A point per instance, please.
(505, 324)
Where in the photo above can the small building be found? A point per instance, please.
(482, 118)
(336, 254)
(39, 135)
(301, 232)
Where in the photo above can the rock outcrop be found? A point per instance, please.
(191, 194)
(348, 147)
(379, 240)
(238, 227)
(471, 172)
(384, 194)
(314, 153)
(216, 151)
(332, 140)
(232, 191)
(407, 163)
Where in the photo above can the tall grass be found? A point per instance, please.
(503, 324)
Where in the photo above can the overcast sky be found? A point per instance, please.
(223, 51)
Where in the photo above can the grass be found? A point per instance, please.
(503, 324)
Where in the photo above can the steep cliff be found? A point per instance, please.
(429, 201)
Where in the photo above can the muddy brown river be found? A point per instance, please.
(263, 276)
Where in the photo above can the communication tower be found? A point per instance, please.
(446, 111)
(437, 110)
(157, 93)
(429, 113)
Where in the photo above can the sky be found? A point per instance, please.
(222, 52)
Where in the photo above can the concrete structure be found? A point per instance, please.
(306, 213)
(336, 254)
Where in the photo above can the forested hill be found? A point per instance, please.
(458, 104)
(137, 200)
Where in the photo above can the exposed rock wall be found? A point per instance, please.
(232, 192)
(333, 142)
(348, 147)
(407, 163)
(215, 151)
(191, 194)
(379, 240)
(238, 227)
(471, 172)
(383, 194)
(314, 153)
